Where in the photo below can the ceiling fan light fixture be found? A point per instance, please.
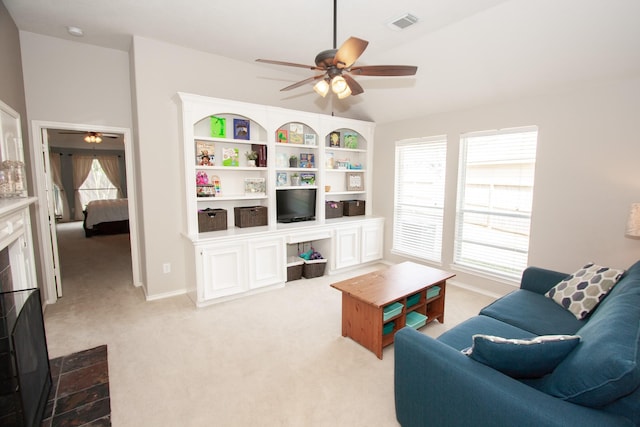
(93, 138)
(322, 88)
(344, 93)
(338, 85)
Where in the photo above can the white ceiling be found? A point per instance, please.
(468, 52)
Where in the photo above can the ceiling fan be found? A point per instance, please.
(337, 66)
(91, 137)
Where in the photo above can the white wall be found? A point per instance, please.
(72, 82)
(75, 82)
(587, 172)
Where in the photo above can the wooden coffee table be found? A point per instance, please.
(365, 297)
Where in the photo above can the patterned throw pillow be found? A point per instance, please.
(581, 292)
(522, 358)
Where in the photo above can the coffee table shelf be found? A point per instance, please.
(365, 297)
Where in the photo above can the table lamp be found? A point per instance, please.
(633, 223)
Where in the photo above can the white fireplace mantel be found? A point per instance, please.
(15, 234)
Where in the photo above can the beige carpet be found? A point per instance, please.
(273, 359)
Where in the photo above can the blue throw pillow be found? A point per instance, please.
(522, 358)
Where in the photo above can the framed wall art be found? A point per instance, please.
(355, 181)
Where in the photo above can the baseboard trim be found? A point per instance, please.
(164, 295)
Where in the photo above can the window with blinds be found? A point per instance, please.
(495, 193)
(419, 197)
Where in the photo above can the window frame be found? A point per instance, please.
(424, 216)
(512, 237)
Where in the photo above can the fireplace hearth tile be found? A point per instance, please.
(80, 392)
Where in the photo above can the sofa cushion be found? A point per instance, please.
(461, 337)
(604, 366)
(533, 312)
(581, 292)
(522, 358)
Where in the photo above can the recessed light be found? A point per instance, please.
(75, 31)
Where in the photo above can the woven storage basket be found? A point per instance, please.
(332, 209)
(313, 268)
(252, 216)
(353, 207)
(212, 220)
(294, 268)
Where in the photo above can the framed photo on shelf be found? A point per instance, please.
(310, 139)
(241, 129)
(255, 186)
(355, 181)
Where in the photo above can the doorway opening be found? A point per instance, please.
(69, 156)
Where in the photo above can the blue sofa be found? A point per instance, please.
(596, 384)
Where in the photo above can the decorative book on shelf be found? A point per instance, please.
(281, 179)
(262, 154)
(329, 160)
(282, 135)
(218, 127)
(241, 129)
(296, 132)
(334, 139)
(307, 160)
(205, 153)
(307, 178)
(230, 157)
(350, 140)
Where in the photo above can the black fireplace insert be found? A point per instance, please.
(25, 374)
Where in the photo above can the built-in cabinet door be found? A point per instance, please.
(267, 264)
(372, 241)
(347, 247)
(223, 268)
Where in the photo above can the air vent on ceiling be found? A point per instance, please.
(403, 22)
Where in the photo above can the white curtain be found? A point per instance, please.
(111, 169)
(81, 169)
(60, 197)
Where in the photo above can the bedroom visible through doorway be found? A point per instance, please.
(63, 176)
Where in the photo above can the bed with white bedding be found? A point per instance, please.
(106, 217)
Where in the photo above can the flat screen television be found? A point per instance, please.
(293, 205)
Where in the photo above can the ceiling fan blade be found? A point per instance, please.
(349, 52)
(302, 82)
(355, 87)
(385, 70)
(289, 64)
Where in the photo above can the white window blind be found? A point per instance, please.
(495, 193)
(419, 197)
